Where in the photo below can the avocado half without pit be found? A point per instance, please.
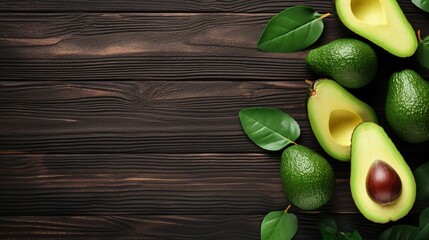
(333, 113)
(381, 22)
(381, 182)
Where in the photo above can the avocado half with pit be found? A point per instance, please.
(381, 182)
(333, 113)
(381, 22)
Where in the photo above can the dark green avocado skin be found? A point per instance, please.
(350, 62)
(407, 106)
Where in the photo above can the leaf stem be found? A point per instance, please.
(287, 209)
(419, 37)
(325, 15)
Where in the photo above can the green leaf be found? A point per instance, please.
(421, 175)
(422, 53)
(269, 128)
(424, 233)
(354, 235)
(327, 226)
(422, 4)
(291, 30)
(279, 225)
(424, 218)
(400, 232)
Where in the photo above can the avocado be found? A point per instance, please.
(381, 182)
(333, 113)
(381, 22)
(407, 106)
(308, 178)
(350, 62)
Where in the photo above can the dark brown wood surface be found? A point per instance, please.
(119, 119)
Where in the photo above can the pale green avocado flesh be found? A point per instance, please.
(381, 22)
(333, 113)
(370, 143)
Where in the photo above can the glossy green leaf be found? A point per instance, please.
(328, 227)
(424, 218)
(422, 53)
(424, 233)
(400, 232)
(354, 235)
(422, 4)
(279, 225)
(269, 128)
(421, 175)
(293, 29)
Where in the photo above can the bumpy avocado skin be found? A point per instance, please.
(407, 106)
(307, 177)
(350, 62)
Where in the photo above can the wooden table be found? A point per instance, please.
(119, 119)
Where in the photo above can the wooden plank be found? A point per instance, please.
(123, 46)
(145, 116)
(156, 6)
(138, 116)
(198, 164)
(152, 184)
(251, 6)
(149, 227)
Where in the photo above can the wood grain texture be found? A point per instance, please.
(119, 119)
(191, 6)
(205, 6)
(117, 46)
(145, 184)
(138, 116)
(155, 227)
(106, 184)
(148, 117)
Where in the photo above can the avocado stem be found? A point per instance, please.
(419, 37)
(287, 209)
(309, 82)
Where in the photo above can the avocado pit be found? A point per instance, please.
(383, 183)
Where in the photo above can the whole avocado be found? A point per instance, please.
(407, 106)
(307, 177)
(350, 62)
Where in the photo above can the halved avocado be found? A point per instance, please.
(381, 182)
(381, 22)
(334, 113)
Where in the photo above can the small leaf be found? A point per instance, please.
(424, 218)
(422, 4)
(327, 226)
(354, 235)
(424, 233)
(291, 30)
(269, 128)
(422, 53)
(399, 232)
(279, 225)
(421, 174)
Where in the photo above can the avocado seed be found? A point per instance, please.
(383, 184)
